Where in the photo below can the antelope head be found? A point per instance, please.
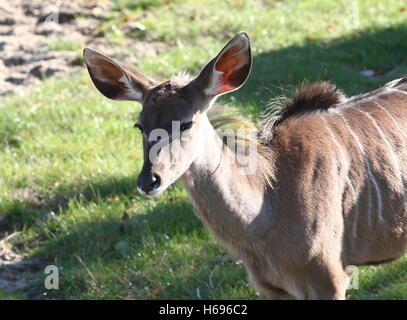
(173, 120)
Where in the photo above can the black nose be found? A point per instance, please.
(148, 182)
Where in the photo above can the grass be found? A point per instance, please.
(69, 157)
(55, 44)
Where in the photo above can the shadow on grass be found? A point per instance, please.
(25, 211)
(141, 234)
(339, 61)
(99, 238)
(124, 231)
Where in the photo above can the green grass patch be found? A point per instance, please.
(12, 296)
(56, 44)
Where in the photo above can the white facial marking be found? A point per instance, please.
(140, 191)
(154, 192)
(157, 191)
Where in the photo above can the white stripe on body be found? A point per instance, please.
(348, 181)
(370, 174)
(397, 125)
(396, 162)
(392, 118)
(394, 90)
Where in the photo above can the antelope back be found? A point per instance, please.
(344, 164)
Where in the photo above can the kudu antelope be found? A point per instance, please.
(329, 187)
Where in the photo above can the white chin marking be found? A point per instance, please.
(155, 192)
(140, 191)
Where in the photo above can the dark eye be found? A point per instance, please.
(136, 125)
(186, 125)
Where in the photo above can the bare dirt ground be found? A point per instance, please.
(17, 272)
(28, 26)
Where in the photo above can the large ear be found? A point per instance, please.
(115, 80)
(229, 70)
